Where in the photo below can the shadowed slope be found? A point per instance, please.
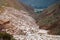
(49, 17)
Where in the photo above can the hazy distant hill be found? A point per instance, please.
(39, 4)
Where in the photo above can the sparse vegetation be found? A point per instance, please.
(6, 36)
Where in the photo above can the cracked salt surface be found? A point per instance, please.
(23, 27)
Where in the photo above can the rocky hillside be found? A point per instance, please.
(17, 5)
(15, 22)
(20, 23)
(22, 26)
(49, 19)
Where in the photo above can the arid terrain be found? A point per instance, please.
(20, 21)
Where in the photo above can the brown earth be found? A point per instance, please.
(17, 5)
(50, 19)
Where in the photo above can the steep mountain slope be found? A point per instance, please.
(16, 23)
(17, 5)
(19, 24)
(50, 19)
(22, 26)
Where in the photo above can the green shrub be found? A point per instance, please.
(6, 36)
